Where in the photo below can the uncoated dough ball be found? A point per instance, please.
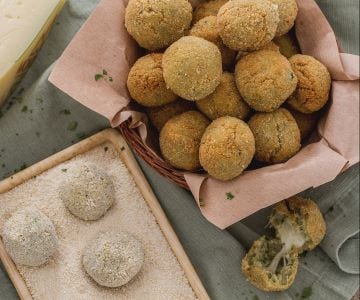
(146, 82)
(287, 14)
(277, 136)
(314, 83)
(160, 115)
(227, 148)
(192, 67)
(225, 101)
(88, 193)
(207, 29)
(247, 25)
(112, 259)
(207, 8)
(265, 79)
(29, 237)
(180, 140)
(156, 24)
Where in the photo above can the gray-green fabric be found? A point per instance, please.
(37, 121)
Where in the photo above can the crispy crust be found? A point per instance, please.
(288, 44)
(306, 122)
(207, 29)
(192, 67)
(247, 25)
(227, 148)
(160, 115)
(314, 83)
(180, 139)
(225, 101)
(309, 212)
(277, 136)
(287, 14)
(155, 24)
(257, 274)
(265, 79)
(208, 8)
(146, 82)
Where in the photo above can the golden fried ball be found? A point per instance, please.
(288, 10)
(156, 24)
(146, 82)
(180, 139)
(304, 216)
(160, 115)
(314, 83)
(247, 25)
(265, 79)
(192, 67)
(225, 101)
(207, 29)
(306, 122)
(288, 44)
(269, 46)
(227, 148)
(277, 136)
(255, 265)
(207, 8)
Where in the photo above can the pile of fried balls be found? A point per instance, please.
(224, 82)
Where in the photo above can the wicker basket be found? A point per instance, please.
(162, 167)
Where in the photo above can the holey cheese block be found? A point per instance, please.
(24, 26)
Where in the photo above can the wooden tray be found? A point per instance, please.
(115, 138)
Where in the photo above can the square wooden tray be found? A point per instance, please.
(114, 137)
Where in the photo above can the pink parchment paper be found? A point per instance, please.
(103, 43)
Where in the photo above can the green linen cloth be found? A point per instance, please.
(38, 120)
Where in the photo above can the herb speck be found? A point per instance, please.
(72, 126)
(306, 293)
(98, 77)
(229, 196)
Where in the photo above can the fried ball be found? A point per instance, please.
(314, 83)
(156, 24)
(300, 218)
(288, 44)
(146, 82)
(270, 265)
(277, 136)
(192, 67)
(225, 101)
(112, 259)
(88, 193)
(265, 79)
(160, 115)
(227, 148)
(269, 46)
(207, 8)
(247, 25)
(288, 10)
(306, 122)
(29, 237)
(207, 29)
(180, 140)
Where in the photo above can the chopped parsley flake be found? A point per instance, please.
(229, 196)
(306, 293)
(64, 170)
(65, 112)
(104, 72)
(24, 109)
(98, 77)
(72, 126)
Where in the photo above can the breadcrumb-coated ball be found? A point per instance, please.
(247, 25)
(314, 83)
(207, 8)
(156, 24)
(227, 148)
(192, 67)
(225, 101)
(288, 44)
(146, 82)
(277, 136)
(207, 29)
(304, 216)
(288, 11)
(256, 265)
(88, 192)
(29, 237)
(306, 122)
(180, 139)
(112, 259)
(160, 115)
(265, 79)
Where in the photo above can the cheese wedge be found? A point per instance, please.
(24, 26)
